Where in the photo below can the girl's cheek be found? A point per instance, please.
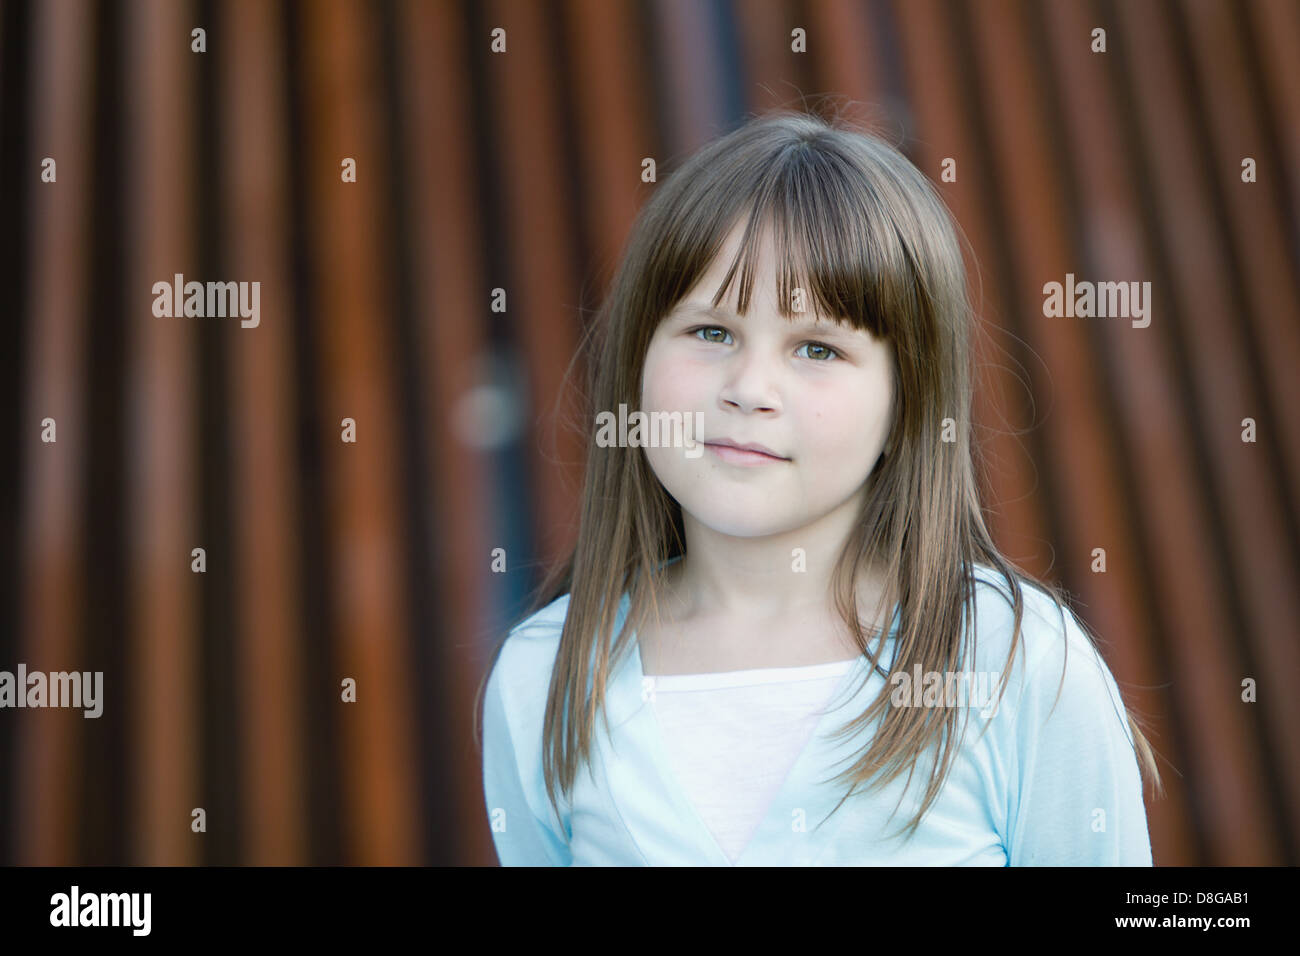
(653, 382)
(679, 382)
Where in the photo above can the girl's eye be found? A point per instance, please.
(711, 328)
(822, 352)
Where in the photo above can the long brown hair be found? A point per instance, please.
(865, 234)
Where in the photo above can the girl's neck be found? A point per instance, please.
(686, 640)
(686, 602)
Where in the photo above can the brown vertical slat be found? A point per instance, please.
(1148, 404)
(1210, 678)
(263, 434)
(690, 77)
(845, 59)
(544, 296)
(450, 305)
(160, 416)
(1259, 234)
(773, 79)
(52, 539)
(352, 256)
(945, 129)
(613, 89)
(1276, 24)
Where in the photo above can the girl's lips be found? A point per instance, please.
(736, 456)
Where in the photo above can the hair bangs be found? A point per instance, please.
(839, 254)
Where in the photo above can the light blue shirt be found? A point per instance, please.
(1032, 785)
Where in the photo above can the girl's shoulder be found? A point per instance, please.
(1044, 623)
(543, 623)
(528, 652)
(518, 685)
(1054, 657)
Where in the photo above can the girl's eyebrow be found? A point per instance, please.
(692, 308)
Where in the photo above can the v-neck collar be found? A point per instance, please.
(791, 831)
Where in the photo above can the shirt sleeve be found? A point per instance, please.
(524, 829)
(1078, 788)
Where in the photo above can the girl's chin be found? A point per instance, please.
(743, 526)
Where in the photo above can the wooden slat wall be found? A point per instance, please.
(448, 257)
(51, 536)
(155, 662)
(521, 171)
(1111, 241)
(272, 732)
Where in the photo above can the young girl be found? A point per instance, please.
(767, 629)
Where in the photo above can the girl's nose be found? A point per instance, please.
(751, 385)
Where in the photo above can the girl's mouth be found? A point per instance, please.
(743, 457)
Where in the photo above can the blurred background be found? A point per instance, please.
(521, 171)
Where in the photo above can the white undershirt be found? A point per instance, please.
(733, 737)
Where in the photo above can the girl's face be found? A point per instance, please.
(818, 394)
